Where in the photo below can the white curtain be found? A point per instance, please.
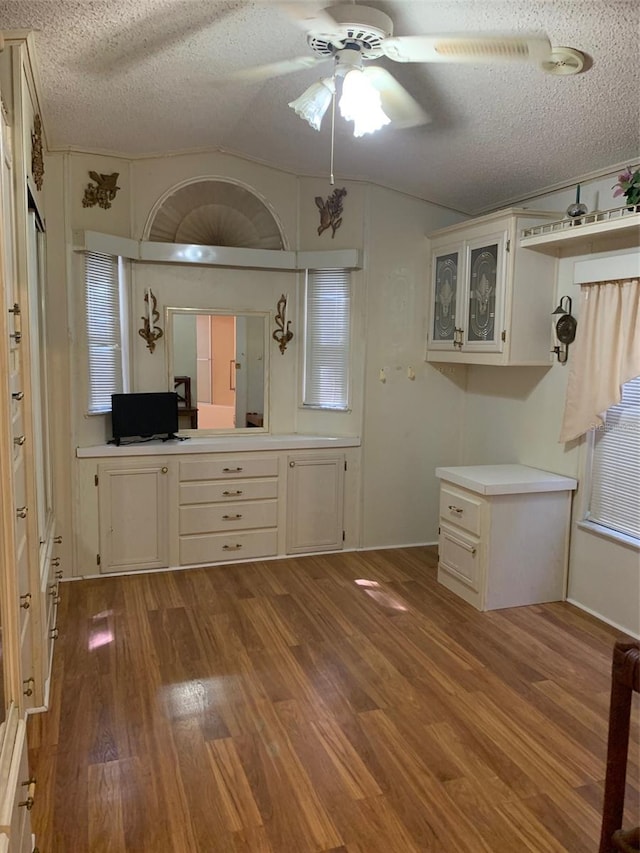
(606, 353)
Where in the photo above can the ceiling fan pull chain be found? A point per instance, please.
(333, 134)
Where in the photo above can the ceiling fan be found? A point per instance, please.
(354, 35)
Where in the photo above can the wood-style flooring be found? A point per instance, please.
(344, 703)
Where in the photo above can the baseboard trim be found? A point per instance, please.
(602, 618)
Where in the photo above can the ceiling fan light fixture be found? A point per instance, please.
(314, 102)
(361, 103)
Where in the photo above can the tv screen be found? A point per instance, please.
(144, 415)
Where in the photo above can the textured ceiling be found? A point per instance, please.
(137, 77)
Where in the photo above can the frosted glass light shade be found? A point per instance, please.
(313, 104)
(361, 104)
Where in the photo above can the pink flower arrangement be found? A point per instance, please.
(629, 186)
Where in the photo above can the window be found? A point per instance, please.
(327, 324)
(615, 468)
(104, 301)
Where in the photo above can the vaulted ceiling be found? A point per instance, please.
(137, 77)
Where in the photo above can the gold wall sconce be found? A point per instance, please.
(283, 333)
(566, 326)
(150, 330)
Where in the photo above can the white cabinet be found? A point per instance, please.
(133, 507)
(315, 495)
(228, 508)
(503, 534)
(490, 301)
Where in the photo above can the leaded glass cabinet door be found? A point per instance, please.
(485, 268)
(446, 269)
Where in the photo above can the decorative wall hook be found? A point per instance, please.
(331, 211)
(150, 330)
(102, 192)
(283, 333)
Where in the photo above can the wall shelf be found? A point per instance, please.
(594, 232)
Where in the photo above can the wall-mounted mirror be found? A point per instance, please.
(217, 362)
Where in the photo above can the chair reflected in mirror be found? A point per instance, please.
(186, 409)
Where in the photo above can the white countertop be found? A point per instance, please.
(219, 444)
(505, 479)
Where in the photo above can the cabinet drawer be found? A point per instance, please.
(225, 469)
(459, 556)
(213, 518)
(223, 492)
(461, 509)
(216, 547)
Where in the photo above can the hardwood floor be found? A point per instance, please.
(344, 703)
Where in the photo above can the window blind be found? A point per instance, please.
(104, 340)
(615, 470)
(327, 339)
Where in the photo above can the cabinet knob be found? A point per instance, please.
(292, 464)
(235, 547)
(57, 540)
(17, 336)
(31, 792)
(15, 310)
(19, 439)
(59, 573)
(164, 469)
(25, 601)
(231, 470)
(28, 690)
(53, 634)
(55, 561)
(18, 395)
(22, 511)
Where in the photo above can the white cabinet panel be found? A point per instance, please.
(133, 512)
(315, 486)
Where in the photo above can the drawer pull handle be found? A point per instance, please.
(235, 547)
(470, 548)
(228, 494)
(22, 511)
(59, 574)
(26, 600)
(19, 439)
(29, 689)
(15, 310)
(456, 509)
(231, 470)
(56, 599)
(55, 561)
(232, 517)
(18, 395)
(57, 540)
(53, 634)
(17, 336)
(31, 790)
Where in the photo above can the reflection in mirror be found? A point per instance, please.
(217, 365)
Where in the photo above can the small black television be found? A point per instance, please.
(149, 415)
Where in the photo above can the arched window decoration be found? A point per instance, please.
(216, 213)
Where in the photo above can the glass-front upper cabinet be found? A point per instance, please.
(489, 298)
(468, 295)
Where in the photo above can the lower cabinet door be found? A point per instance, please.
(315, 487)
(133, 506)
(459, 555)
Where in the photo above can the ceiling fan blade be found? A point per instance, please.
(485, 47)
(310, 17)
(397, 103)
(257, 73)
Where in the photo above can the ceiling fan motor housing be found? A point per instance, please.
(366, 33)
